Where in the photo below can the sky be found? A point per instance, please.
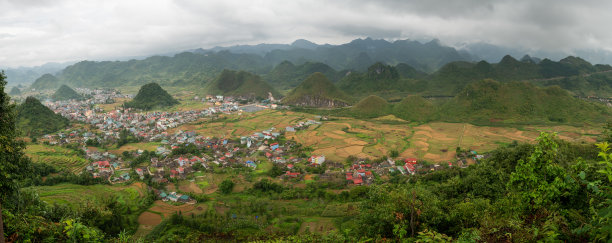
(34, 32)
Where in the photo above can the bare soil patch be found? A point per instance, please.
(148, 218)
(191, 187)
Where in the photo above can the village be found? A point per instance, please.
(182, 153)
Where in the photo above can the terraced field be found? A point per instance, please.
(342, 137)
(57, 156)
(76, 195)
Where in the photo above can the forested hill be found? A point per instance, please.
(241, 84)
(571, 73)
(66, 93)
(358, 54)
(151, 96)
(317, 91)
(180, 70)
(350, 66)
(195, 68)
(35, 119)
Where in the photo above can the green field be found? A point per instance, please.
(57, 156)
(77, 195)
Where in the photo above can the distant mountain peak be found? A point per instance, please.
(302, 43)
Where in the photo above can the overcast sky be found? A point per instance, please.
(34, 32)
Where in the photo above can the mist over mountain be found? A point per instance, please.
(357, 54)
(493, 53)
(27, 75)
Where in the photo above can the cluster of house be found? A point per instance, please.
(174, 197)
(301, 125)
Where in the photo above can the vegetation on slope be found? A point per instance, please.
(183, 69)
(316, 91)
(151, 96)
(489, 101)
(15, 91)
(381, 79)
(415, 108)
(453, 77)
(66, 93)
(47, 81)
(241, 84)
(371, 106)
(520, 102)
(33, 118)
(286, 75)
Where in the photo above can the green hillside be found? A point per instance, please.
(489, 100)
(286, 75)
(371, 106)
(46, 81)
(33, 118)
(183, 69)
(407, 71)
(316, 91)
(66, 93)
(385, 81)
(151, 96)
(15, 91)
(241, 84)
(415, 108)
(453, 77)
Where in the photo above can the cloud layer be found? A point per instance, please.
(33, 32)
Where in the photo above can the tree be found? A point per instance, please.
(13, 163)
(226, 186)
(539, 179)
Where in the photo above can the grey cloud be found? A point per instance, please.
(35, 32)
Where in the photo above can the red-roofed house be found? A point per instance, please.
(292, 174)
(410, 161)
(173, 173)
(103, 164)
(357, 180)
(290, 166)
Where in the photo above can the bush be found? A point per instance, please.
(226, 186)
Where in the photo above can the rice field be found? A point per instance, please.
(342, 137)
(57, 156)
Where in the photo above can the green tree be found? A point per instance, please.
(539, 179)
(13, 163)
(226, 186)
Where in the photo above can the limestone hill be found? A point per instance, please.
(414, 108)
(488, 100)
(66, 93)
(316, 91)
(33, 118)
(241, 84)
(15, 91)
(151, 96)
(46, 81)
(286, 75)
(371, 106)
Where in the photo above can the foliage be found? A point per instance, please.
(36, 119)
(226, 186)
(539, 179)
(371, 106)
(66, 93)
(241, 84)
(46, 81)
(287, 75)
(15, 91)
(316, 91)
(151, 96)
